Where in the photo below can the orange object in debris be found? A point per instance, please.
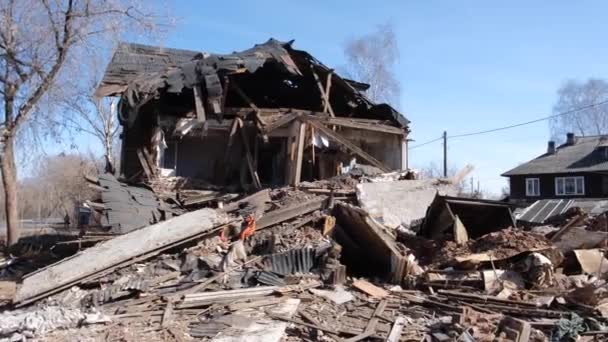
(250, 229)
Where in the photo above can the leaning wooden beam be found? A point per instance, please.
(150, 161)
(244, 96)
(324, 97)
(353, 123)
(291, 212)
(346, 143)
(282, 121)
(327, 89)
(119, 251)
(144, 164)
(233, 128)
(251, 165)
(198, 103)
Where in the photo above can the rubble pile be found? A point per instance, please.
(309, 263)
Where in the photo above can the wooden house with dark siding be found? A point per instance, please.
(576, 169)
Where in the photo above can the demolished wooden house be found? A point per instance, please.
(270, 114)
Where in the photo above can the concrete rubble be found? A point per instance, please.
(289, 264)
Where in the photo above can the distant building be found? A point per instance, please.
(576, 169)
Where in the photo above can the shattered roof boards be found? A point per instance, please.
(286, 78)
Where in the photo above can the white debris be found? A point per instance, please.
(38, 321)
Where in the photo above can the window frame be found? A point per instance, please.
(533, 180)
(561, 190)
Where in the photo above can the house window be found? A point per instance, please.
(532, 187)
(569, 186)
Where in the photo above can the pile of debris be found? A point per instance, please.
(316, 262)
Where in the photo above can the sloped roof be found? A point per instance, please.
(583, 156)
(131, 60)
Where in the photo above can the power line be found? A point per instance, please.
(530, 122)
(426, 143)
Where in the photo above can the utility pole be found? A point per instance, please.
(445, 154)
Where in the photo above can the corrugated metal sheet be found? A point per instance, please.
(269, 278)
(294, 261)
(540, 211)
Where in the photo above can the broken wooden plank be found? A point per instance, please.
(572, 223)
(395, 333)
(330, 191)
(151, 164)
(370, 328)
(348, 144)
(144, 164)
(198, 103)
(92, 179)
(257, 201)
(370, 289)
(167, 317)
(121, 250)
(291, 212)
(205, 298)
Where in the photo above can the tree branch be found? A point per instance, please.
(62, 49)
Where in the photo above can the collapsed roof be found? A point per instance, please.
(272, 74)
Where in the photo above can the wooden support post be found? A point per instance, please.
(198, 103)
(349, 145)
(252, 171)
(296, 152)
(312, 143)
(233, 128)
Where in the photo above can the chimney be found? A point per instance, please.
(551, 147)
(570, 139)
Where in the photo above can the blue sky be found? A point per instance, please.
(465, 65)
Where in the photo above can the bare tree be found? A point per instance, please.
(371, 59)
(38, 39)
(592, 120)
(95, 116)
